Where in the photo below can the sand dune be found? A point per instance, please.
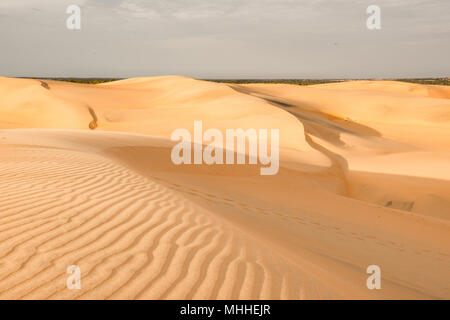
(86, 179)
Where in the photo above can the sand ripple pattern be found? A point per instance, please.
(131, 237)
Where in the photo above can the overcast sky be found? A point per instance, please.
(225, 39)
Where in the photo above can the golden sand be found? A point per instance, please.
(86, 179)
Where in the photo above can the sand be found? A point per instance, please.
(86, 179)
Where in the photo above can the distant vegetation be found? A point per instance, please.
(86, 80)
(307, 82)
(434, 81)
(80, 80)
(300, 82)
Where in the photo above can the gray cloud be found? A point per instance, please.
(226, 38)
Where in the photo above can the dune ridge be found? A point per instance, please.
(86, 179)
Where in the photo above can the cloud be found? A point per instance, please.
(229, 38)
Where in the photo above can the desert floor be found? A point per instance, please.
(86, 179)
